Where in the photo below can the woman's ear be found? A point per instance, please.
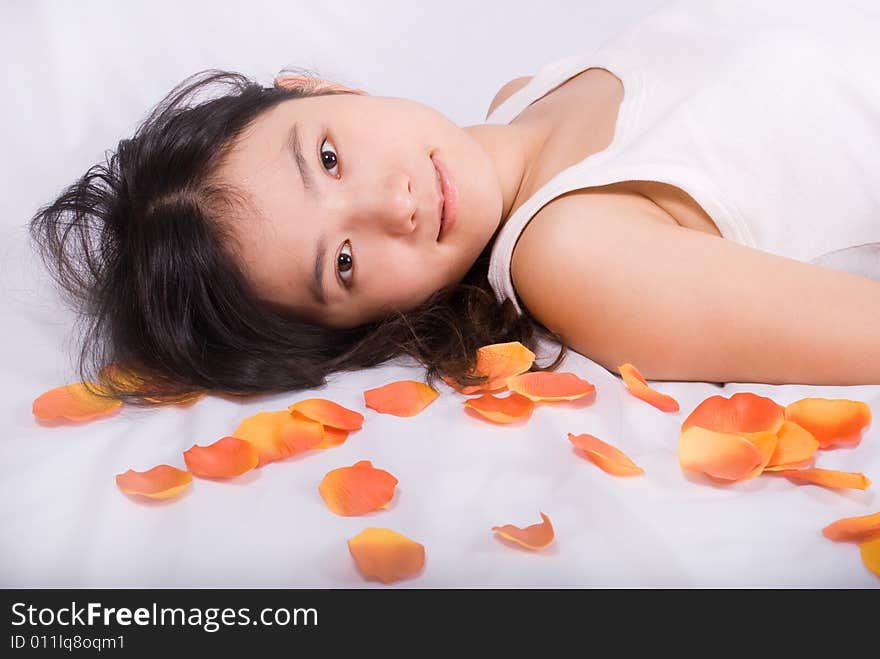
(312, 85)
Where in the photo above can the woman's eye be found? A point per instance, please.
(328, 157)
(345, 263)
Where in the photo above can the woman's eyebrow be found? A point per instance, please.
(294, 146)
(316, 284)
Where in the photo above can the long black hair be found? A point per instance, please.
(139, 246)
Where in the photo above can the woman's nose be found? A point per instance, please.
(391, 204)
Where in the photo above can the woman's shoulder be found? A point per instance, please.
(507, 91)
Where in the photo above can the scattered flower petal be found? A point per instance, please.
(73, 402)
(277, 435)
(497, 361)
(160, 482)
(794, 445)
(721, 455)
(640, 388)
(765, 441)
(845, 480)
(871, 554)
(300, 433)
(228, 457)
(833, 422)
(386, 555)
(536, 536)
(332, 437)
(508, 409)
(329, 413)
(853, 528)
(404, 398)
(549, 386)
(742, 412)
(357, 489)
(605, 456)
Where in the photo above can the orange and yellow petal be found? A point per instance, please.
(507, 409)
(300, 433)
(794, 445)
(160, 482)
(500, 361)
(765, 441)
(73, 402)
(844, 480)
(228, 457)
(332, 437)
(640, 388)
(269, 433)
(853, 528)
(497, 362)
(536, 536)
(607, 457)
(329, 413)
(870, 550)
(727, 456)
(742, 412)
(358, 489)
(386, 555)
(833, 422)
(403, 398)
(549, 386)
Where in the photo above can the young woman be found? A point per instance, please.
(698, 197)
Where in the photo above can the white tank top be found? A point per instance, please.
(766, 113)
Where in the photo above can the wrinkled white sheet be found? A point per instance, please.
(78, 77)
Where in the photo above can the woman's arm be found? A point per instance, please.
(679, 304)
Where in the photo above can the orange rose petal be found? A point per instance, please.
(640, 388)
(794, 445)
(853, 528)
(536, 536)
(357, 489)
(404, 398)
(765, 441)
(803, 464)
(73, 402)
(497, 361)
(845, 480)
(742, 412)
(500, 361)
(263, 430)
(386, 555)
(328, 413)
(160, 482)
(871, 554)
(332, 437)
(833, 422)
(299, 433)
(508, 409)
(228, 457)
(721, 455)
(605, 456)
(550, 386)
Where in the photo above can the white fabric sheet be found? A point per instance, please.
(78, 77)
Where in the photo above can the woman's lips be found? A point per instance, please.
(449, 199)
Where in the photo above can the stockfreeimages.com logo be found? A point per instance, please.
(210, 619)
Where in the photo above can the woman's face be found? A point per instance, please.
(357, 216)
